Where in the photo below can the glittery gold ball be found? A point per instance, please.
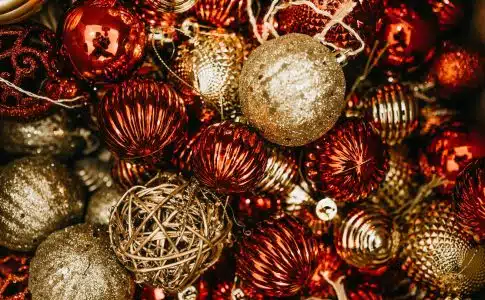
(37, 197)
(77, 263)
(292, 89)
(100, 204)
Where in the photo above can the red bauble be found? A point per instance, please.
(139, 118)
(303, 19)
(470, 196)
(330, 266)
(27, 58)
(103, 40)
(456, 70)
(256, 208)
(184, 152)
(449, 152)
(410, 36)
(14, 276)
(65, 88)
(221, 13)
(128, 174)
(348, 162)
(278, 258)
(229, 157)
(448, 12)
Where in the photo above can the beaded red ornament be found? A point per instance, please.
(278, 258)
(128, 174)
(140, 118)
(14, 276)
(103, 40)
(347, 163)
(229, 157)
(448, 12)
(221, 13)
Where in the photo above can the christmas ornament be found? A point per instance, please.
(229, 157)
(14, 276)
(100, 204)
(364, 289)
(348, 163)
(181, 232)
(363, 18)
(37, 197)
(278, 258)
(159, 22)
(435, 116)
(330, 267)
(65, 88)
(408, 34)
(77, 263)
(168, 6)
(26, 59)
(209, 65)
(469, 195)
(441, 255)
(292, 89)
(367, 239)
(450, 149)
(128, 174)
(150, 293)
(15, 11)
(184, 152)
(448, 12)
(103, 40)
(308, 215)
(139, 118)
(94, 172)
(51, 13)
(222, 13)
(281, 173)
(255, 208)
(55, 134)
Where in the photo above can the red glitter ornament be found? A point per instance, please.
(27, 58)
(14, 276)
(470, 197)
(448, 12)
(229, 157)
(348, 162)
(409, 34)
(65, 88)
(139, 118)
(256, 208)
(103, 40)
(303, 19)
(449, 152)
(128, 174)
(278, 258)
(221, 13)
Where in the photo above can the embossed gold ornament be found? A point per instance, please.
(14, 11)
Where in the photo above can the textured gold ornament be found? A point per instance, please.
(37, 197)
(441, 255)
(77, 263)
(292, 89)
(101, 203)
(209, 65)
(94, 173)
(14, 11)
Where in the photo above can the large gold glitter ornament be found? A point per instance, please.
(441, 255)
(292, 89)
(77, 263)
(101, 203)
(37, 197)
(209, 65)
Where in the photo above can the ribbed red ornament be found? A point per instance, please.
(470, 197)
(348, 162)
(128, 174)
(221, 13)
(278, 258)
(184, 152)
(303, 19)
(449, 151)
(448, 12)
(229, 157)
(14, 276)
(139, 118)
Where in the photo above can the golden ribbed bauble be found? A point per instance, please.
(77, 263)
(292, 89)
(15, 11)
(209, 65)
(100, 204)
(94, 173)
(38, 196)
(441, 255)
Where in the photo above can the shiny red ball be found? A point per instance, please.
(449, 151)
(278, 258)
(128, 174)
(348, 162)
(229, 157)
(448, 12)
(104, 40)
(469, 195)
(140, 118)
(221, 13)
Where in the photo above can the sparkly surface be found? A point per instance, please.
(77, 263)
(292, 89)
(37, 197)
(100, 204)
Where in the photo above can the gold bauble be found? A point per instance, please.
(292, 89)
(14, 11)
(101, 203)
(94, 172)
(37, 197)
(77, 263)
(441, 255)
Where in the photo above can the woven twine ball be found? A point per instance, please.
(169, 232)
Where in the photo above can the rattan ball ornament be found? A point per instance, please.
(169, 232)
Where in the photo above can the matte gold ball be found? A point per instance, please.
(292, 89)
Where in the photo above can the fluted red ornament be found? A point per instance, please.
(222, 13)
(449, 151)
(364, 17)
(128, 174)
(103, 39)
(256, 208)
(139, 118)
(229, 157)
(448, 12)
(14, 276)
(348, 162)
(184, 152)
(469, 195)
(278, 258)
